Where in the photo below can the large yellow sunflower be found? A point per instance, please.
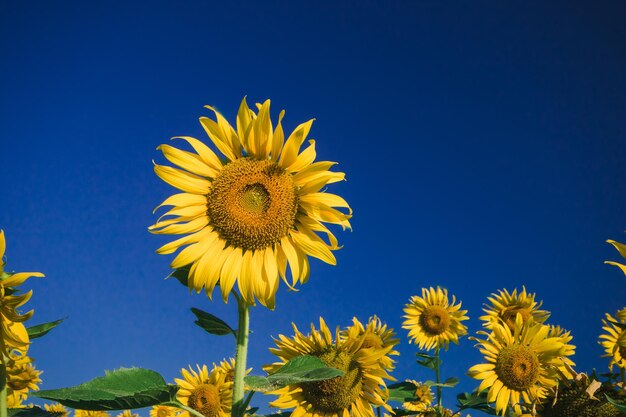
(206, 392)
(506, 306)
(614, 340)
(247, 216)
(432, 320)
(521, 364)
(13, 334)
(353, 394)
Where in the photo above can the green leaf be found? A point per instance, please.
(475, 401)
(42, 329)
(619, 406)
(31, 412)
(212, 324)
(122, 389)
(428, 361)
(448, 383)
(402, 392)
(298, 370)
(181, 274)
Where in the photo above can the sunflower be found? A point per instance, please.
(57, 408)
(566, 369)
(164, 411)
(423, 398)
(206, 392)
(434, 321)
(247, 216)
(505, 306)
(21, 374)
(521, 364)
(127, 413)
(13, 334)
(16, 399)
(621, 248)
(614, 340)
(90, 413)
(353, 394)
(375, 335)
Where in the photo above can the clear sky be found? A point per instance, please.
(484, 145)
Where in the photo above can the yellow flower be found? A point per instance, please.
(250, 215)
(375, 335)
(521, 364)
(424, 398)
(206, 392)
(353, 394)
(57, 408)
(614, 340)
(163, 411)
(432, 320)
(566, 369)
(506, 306)
(90, 413)
(21, 374)
(16, 399)
(127, 413)
(13, 334)
(621, 248)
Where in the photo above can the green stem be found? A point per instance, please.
(3, 393)
(438, 380)
(240, 357)
(180, 405)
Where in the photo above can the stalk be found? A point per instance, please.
(3, 393)
(241, 355)
(437, 377)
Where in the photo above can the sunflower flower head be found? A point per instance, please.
(22, 376)
(613, 340)
(433, 320)
(375, 335)
(127, 413)
(248, 216)
(90, 413)
(13, 334)
(353, 394)
(209, 393)
(164, 411)
(57, 408)
(522, 364)
(505, 306)
(423, 398)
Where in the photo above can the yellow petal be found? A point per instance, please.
(292, 146)
(18, 279)
(183, 200)
(187, 160)
(305, 158)
(230, 271)
(204, 152)
(620, 266)
(182, 180)
(621, 248)
(278, 138)
(313, 247)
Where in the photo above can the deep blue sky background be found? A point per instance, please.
(484, 145)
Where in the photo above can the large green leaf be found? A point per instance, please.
(298, 370)
(31, 412)
(402, 392)
(42, 329)
(448, 383)
(212, 324)
(122, 389)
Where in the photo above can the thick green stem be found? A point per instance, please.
(438, 380)
(240, 357)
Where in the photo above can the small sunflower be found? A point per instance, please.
(375, 335)
(57, 408)
(621, 248)
(206, 392)
(13, 334)
(506, 306)
(250, 215)
(22, 376)
(423, 398)
(432, 320)
(614, 340)
(353, 394)
(90, 413)
(127, 413)
(521, 364)
(16, 399)
(164, 411)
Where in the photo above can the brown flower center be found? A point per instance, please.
(434, 320)
(335, 394)
(517, 367)
(205, 398)
(252, 204)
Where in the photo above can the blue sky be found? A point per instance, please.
(484, 145)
